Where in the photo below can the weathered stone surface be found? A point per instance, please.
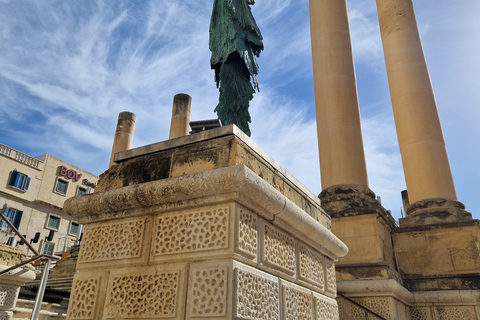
(435, 211)
(207, 150)
(351, 200)
(439, 250)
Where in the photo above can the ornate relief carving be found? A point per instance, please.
(331, 283)
(256, 297)
(6, 315)
(457, 313)
(297, 304)
(143, 295)
(311, 266)
(113, 240)
(278, 249)
(8, 296)
(193, 231)
(326, 310)
(380, 306)
(419, 313)
(341, 306)
(209, 292)
(247, 232)
(83, 299)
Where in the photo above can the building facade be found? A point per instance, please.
(32, 193)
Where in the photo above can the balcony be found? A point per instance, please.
(20, 157)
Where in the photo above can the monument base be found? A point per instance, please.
(223, 243)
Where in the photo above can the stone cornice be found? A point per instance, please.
(237, 182)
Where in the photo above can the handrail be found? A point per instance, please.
(18, 234)
(36, 257)
(362, 307)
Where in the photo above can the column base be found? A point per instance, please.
(435, 211)
(351, 200)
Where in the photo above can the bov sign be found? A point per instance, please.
(70, 174)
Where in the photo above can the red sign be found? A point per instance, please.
(70, 174)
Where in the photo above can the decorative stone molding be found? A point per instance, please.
(435, 211)
(351, 200)
(10, 284)
(185, 191)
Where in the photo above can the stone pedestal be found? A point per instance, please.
(212, 229)
(11, 281)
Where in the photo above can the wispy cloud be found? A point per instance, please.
(67, 69)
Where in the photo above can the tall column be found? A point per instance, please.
(422, 146)
(123, 134)
(342, 160)
(182, 108)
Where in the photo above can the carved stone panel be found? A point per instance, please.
(83, 299)
(331, 279)
(247, 233)
(113, 240)
(278, 249)
(460, 313)
(326, 308)
(297, 302)
(381, 306)
(208, 291)
(311, 266)
(257, 295)
(8, 296)
(145, 293)
(420, 313)
(191, 231)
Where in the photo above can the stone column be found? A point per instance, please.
(182, 108)
(123, 135)
(342, 159)
(427, 170)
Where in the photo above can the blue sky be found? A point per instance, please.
(67, 68)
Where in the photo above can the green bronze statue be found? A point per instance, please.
(235, 41)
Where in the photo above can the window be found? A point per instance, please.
(74, 226)
(48, 248)
(81, 191)
(53, 222)
(61, 186)
(14, 216)
(19, 181)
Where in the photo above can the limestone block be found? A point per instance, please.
(311, 267)
(456, 312)
(257, 295)
(246, 233)
(10, 284)
(278, 250)
(86, 299)
(446, 249)
(193, 233)
(149, 292)
(297, 302)
(420, 313)
(361, 250)
(253, 295)
(383, 306)
(122, 241)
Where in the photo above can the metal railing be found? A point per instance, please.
(46, 270)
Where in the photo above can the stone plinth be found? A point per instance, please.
(11, 281)
(208, 229)
(439, 257)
